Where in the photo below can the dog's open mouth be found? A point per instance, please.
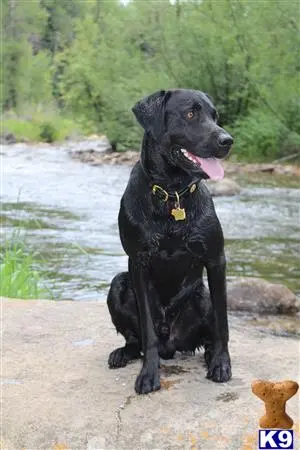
(211, 166)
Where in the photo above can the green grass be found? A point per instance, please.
(40, 127)
(18, 275)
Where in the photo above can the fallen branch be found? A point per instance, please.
(286, 158)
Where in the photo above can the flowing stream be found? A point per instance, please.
(67, 213)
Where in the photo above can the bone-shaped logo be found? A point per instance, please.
(275, 396)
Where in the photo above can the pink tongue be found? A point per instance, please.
(212, 167)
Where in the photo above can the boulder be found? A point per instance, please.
(7, 139)
(260, 296)
(223, 187)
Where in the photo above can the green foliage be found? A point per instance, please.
(98, 84)
(95, 59)
(39, 126)
(57, 29)
(263, 137)
(19, 278)
(258, 136)
(22, 77)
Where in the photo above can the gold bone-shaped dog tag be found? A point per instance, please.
(178, 213)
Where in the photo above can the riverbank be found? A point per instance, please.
(59, 394)
(96, 150)
(130, 157)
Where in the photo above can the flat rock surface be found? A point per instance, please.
(58, 393)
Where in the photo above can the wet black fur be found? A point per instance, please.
(161, 304)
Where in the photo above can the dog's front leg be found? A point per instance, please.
(219, 367)
(148, 379)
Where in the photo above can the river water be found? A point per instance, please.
(67, 213)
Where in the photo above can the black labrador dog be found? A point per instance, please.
(170, 231)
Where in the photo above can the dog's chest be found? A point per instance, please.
(176, 242)
(172, 253)
(171, 265)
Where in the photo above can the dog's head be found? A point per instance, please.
(184, 123)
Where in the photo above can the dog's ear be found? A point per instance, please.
(149, 112)
(208, 96)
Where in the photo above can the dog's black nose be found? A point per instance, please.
(225, 140)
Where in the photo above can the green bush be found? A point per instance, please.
(48, 132)
(92, 60)
(260, 136)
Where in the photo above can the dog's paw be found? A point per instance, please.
(207, 355)
(118, 358)
(219, 369)
(148, 380)
(166, 350)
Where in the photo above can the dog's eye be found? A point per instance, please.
(215, 115)
(190, 115)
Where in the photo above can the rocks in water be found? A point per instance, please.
(93, 144)
(93, 149)
(129, 157)
(223, 187)
(97, 158)
(8, 139)
(271, 169)
(260, 296)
